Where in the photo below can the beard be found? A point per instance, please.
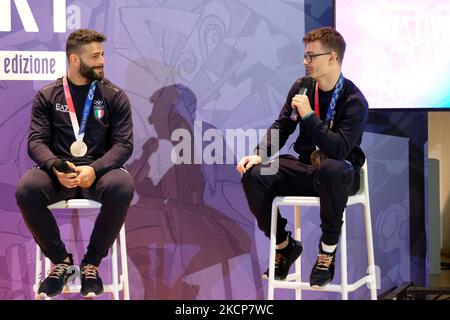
(91, 73)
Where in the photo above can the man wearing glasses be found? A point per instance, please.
(331, 112)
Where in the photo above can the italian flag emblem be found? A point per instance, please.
(99, 111)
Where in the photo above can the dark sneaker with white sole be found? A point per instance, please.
(91, 283)
(284, 258)
(54, 284)
(323, 270)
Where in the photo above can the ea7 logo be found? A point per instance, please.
(61, 107)
(60, 21)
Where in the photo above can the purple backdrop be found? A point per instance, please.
(195, 65)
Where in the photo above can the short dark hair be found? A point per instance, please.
(80, 37)
(329, 38)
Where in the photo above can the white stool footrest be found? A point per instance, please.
(305, 286)
(293, 284)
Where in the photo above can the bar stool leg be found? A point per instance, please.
(38, 275)
(273, 237)
(48, 265)
(344, 281)
(114, 265)
(298, 264)
(123, 258)
(370, 254)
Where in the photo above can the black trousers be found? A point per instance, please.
(333, 181)
(37, 189)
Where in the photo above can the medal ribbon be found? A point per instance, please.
(77, 130)
(330, 112)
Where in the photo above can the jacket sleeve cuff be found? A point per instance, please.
(48, 166)
(309, 114)
(310, 122)
(98, 168)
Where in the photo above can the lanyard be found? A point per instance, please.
(330, 112)
(77, 130)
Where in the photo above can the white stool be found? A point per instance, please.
(115, 287)
(293, 281)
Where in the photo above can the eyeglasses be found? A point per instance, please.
(309, 57)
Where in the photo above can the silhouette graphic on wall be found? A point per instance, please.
(178, 243)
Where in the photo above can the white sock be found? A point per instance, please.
(283, 244)
(327, 248)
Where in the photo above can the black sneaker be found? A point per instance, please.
(91, 283)
(57, 279)
(323, 270)
(284, 258)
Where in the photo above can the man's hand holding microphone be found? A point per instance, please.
(300, 102)
(300, 106)
(71, 176)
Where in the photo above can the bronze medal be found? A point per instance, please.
(317, 156)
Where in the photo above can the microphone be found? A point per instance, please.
(63, 167)
(305, 84)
